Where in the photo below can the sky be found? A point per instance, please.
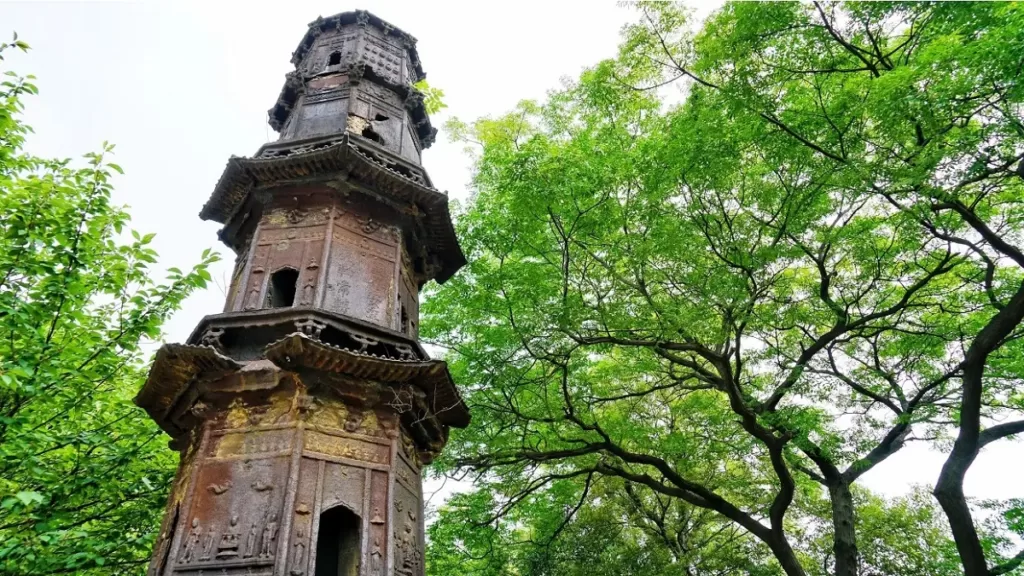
(181, 86)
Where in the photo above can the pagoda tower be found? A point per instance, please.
(304, 412)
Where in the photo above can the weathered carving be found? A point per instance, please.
(354, 420)
(405, 352)
(250, 542)
(219, 489)
(208, 546)
(310, 327)
(346, 448)
(300, 552)
(369, 225)
(211, 337)
(269, 535)
(296, 215)
(252, 302)
(407, 551)
(364, 341)
(307, 294)
(228, 546)
(262, 485)
(192, 541)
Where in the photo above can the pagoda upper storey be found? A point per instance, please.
(355, 72)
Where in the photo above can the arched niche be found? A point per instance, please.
(338, 543)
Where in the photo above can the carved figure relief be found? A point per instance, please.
(407, 554)
(300, 552)
(208, 546)
(307, 294)
(194, 536)
(269, 535)
(228, 546)
(252, 302)
(376, 559)
(250, 542)
(376, 518)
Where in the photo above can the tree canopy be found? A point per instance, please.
(743, 302)
(83, 472)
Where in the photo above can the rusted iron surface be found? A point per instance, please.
(308, 407)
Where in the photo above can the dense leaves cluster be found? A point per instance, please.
(742, 303)
(83, 472)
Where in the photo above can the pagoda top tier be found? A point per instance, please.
(361, 18)
(350, 121)
(348, 49)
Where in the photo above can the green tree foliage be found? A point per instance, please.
(746, 301)
(83, 472)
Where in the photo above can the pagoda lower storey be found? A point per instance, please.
(304, 459)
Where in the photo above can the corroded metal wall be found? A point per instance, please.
(258, 474)
(305, 410)
(350, 253)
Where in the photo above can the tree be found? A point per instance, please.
(83, 472)
(619, 528)
(765, 291)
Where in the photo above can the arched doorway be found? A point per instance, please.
(338, 543)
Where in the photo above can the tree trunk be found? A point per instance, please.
(784, 554)
(844, 543)
(949, 490)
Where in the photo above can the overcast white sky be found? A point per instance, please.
(180, 86)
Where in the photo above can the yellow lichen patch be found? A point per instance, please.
(230, 444)
(238, 414)
(370, 422)
(328, 415)
(279, 408)
(356, 125)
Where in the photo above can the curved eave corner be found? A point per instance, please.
(431, 376)
(174, 368)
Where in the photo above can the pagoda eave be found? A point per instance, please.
(430, 376)
(175, 368)
(361, 161)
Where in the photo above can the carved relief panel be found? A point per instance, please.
(331, 51)
(361, 274)
(288, 239)
(385, 57)
(407, 532)
(234, 517)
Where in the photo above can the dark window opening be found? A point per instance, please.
(405, 319)
(372, 134)
(338, 543)
(334, 59)
(380, 117)
(282, 288)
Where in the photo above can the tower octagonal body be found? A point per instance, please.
(305, 410)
